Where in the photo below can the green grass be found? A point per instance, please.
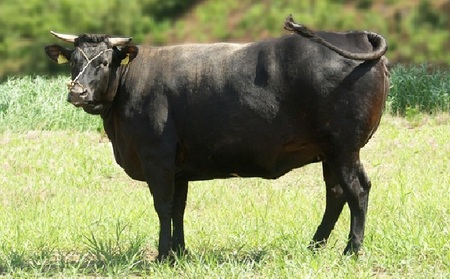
(67, 209)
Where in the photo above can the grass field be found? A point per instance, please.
(67, 210)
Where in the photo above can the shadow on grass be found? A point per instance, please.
(75, 263)
(125, 255)
(141, 262)
(219, 256)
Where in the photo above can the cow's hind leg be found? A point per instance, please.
(356, 186)
(179, 204)
(335, 201)
(360, 204)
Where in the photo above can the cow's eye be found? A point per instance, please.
(102, 65)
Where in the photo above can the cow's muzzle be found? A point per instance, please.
(78, 95)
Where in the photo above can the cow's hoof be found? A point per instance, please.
(316, 246)
(352, 249)
(163, 257)
(171, 256)
(182, 252)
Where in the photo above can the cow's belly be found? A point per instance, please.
(269, 164)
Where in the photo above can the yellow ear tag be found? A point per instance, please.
(62, 59)
(126, 60)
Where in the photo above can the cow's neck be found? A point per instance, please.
(109, 114)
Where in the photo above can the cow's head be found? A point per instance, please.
(95, 62)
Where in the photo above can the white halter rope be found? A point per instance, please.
(89, 61)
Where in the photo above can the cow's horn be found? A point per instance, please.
(119, 41)
(65, 37)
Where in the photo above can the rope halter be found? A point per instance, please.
(74, 82)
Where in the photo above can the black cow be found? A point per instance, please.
(203, 111)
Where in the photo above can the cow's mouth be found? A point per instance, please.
(78, 100)
(84, 101)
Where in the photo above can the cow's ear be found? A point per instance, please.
(128, 53)
(58, 53)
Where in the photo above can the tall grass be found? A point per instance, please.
(39, 103)
(422, 88)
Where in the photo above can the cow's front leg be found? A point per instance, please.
(161, 184)
(179, 204)
(163, 209)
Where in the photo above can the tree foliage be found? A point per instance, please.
(25, 25)
(416, 32)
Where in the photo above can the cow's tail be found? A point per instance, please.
(377, 41)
